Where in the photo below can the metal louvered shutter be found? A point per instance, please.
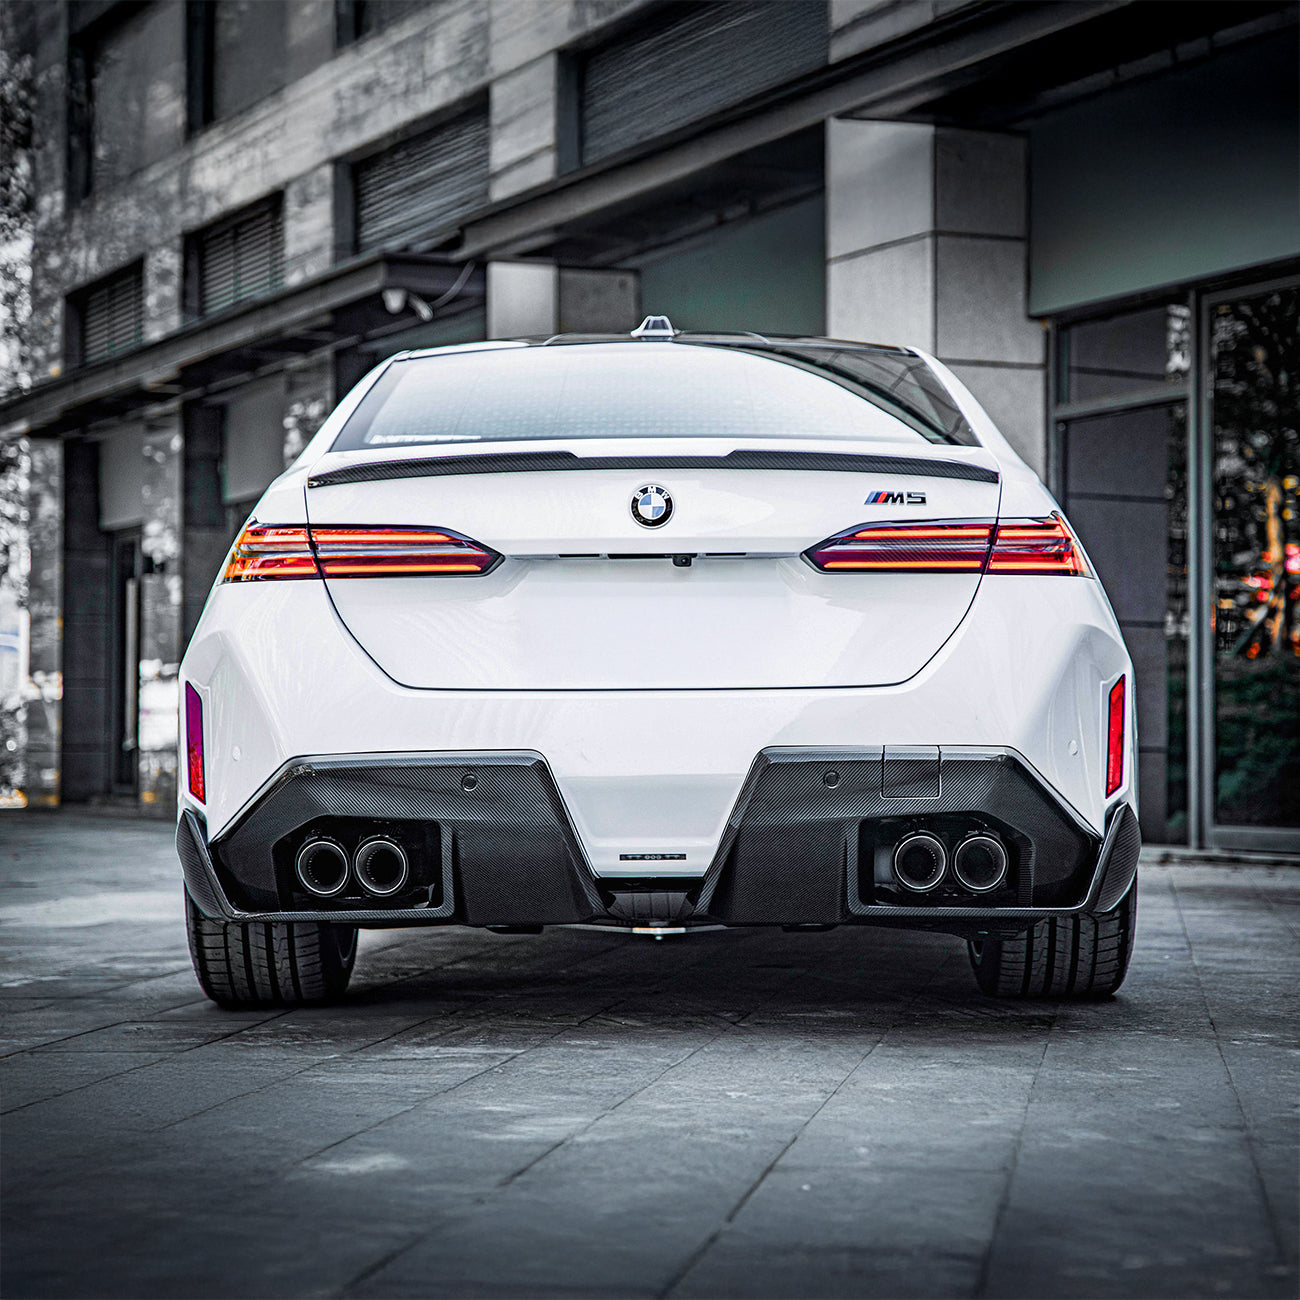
(112, 316)
(665, 75)
(241, 259)
(421, 186)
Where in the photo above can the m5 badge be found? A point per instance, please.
(895, 499)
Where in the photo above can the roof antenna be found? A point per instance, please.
(655, 328)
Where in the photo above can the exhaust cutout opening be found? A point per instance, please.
(920, 861)
(381, 867)
(322, 867)
(980, 863)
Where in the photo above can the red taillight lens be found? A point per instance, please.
(1115, 739)
(194, 742)
(397, 552)
(960, 547)
(1037, 546)
(271, 551)
(292, 551)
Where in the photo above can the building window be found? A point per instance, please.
(234, 260)
(357, 18)
(106, 318)
(238, 53)
(417, 189)
(125, 80)
(692, 61)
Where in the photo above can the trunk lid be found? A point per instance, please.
(586, 598)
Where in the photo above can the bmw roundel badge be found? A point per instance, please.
(652, 507)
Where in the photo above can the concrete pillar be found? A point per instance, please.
(541, 298)
(926, 246)
(309, 214)
(161, 592)
(45, 626)
(524, 115)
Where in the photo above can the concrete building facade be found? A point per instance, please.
(1085, 207)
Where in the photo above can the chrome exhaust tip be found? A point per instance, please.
(920, 861)
(381, 866)
(980, 863)
(322, 867)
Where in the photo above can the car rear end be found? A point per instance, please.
(658, 634)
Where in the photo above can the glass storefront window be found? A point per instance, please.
(1127, 353)
(1255, 422)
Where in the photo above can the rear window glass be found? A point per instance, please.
(655, 390)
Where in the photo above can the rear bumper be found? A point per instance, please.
(808, 842)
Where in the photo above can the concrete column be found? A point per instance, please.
(308, 399)
(163, 279)
(161, 591)
(926, 246)
(309, 235)
(541, 298)
(45, 628)
(524, 117)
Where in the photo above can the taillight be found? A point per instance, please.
(911, 548)
(397, 552)
(194, 742)
(271, 551)
(1036, 546)
(1024, 546)
(1115, 739)
(267, 551)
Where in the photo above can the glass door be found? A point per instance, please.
(1252, 704)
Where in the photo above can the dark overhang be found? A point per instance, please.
(985, 65)
(893, 80)
(343, 307)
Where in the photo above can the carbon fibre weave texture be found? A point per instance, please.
(515, 859)
(1121, 860)
(550, 461)
(790, 854)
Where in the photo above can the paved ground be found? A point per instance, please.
(732, 1114)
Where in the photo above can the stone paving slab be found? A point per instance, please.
(735, 1113)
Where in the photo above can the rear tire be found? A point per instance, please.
(269, 964)
(1075, 957)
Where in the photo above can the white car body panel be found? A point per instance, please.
(649, 690)
(657, 773)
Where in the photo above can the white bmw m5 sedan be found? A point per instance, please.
(657, 631)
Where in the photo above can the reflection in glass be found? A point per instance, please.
(1255, 366)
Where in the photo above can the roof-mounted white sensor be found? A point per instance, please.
(654, 327)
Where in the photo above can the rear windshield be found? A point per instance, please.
(655, 390)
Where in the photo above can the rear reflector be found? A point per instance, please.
(1115, 739)
(194, 742)
(268, 551)
(1023, 546)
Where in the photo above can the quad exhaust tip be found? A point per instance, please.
(920, 861)
(980, 863)
(322, 867)
(381, 866)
